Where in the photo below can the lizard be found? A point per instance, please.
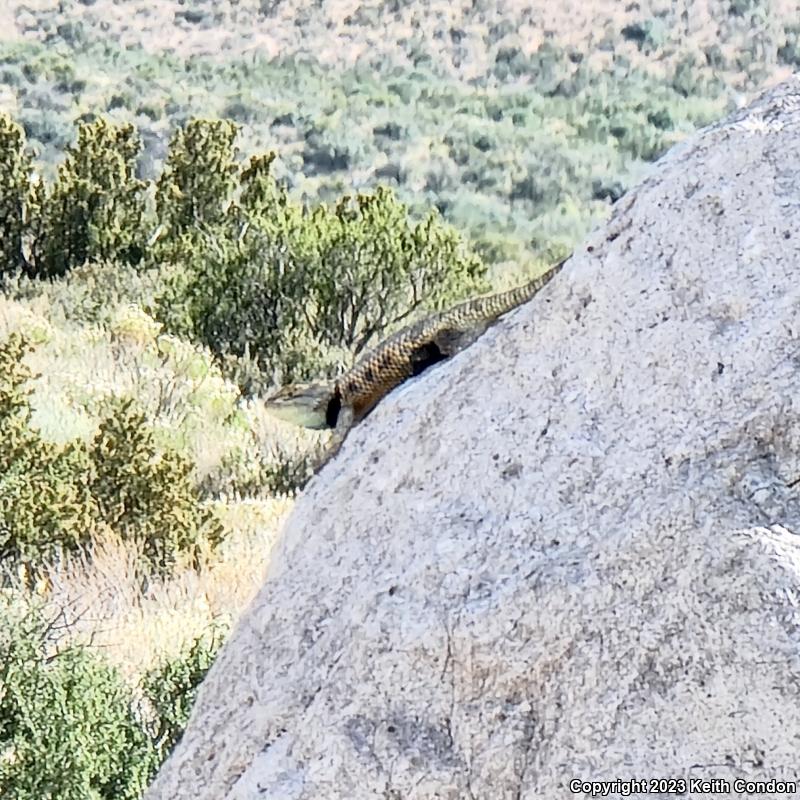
(343, 402)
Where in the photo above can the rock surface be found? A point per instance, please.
(570, 552)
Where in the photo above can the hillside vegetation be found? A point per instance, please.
(199, 201)
(519, 124)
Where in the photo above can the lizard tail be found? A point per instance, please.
(516, 297)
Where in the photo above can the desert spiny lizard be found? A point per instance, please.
(341, 403)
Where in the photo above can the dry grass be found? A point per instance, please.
(108, 603)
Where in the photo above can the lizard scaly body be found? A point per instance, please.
(343, 402)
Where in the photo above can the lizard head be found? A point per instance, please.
(310, 405)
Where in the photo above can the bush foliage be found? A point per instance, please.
(94, 210)
(15, 169)
(274, 288)
(145, 491)
(198, 177)
(247, 271)
(71, 728)
(68, 729)
(53, 497)
(170, 689)
(261, 276)
(45, 501)
(383, 120)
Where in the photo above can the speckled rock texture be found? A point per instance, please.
(572, 552)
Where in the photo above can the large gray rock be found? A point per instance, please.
(568, 553)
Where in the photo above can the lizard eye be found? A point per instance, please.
(332, 410)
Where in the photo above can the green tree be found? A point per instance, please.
(53, 497)
(376, 268)
(199, 175)
(15, 175)
(70, 726)
(45, 503)
(288, 286)
(95, 210)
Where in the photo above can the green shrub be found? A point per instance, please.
(325, 153)
(71, 728)
(12, 76)
(635, 136)
(95, 209)
(72, 33)
(496, 248)
(53, 497)
(715, 57)
(684, 80)
(510, 62)
(789, 51)
(250, 472)
(271, 281)
(661, 119)
(233, 284)
(45, 127)
(170, 689)
(14, 375)
(648, 35)
(93, 292)
(45, 502)
(146, 492)
(740, 8)
(68, 726)
(242, 298)
(199, 175)
(375, 267)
